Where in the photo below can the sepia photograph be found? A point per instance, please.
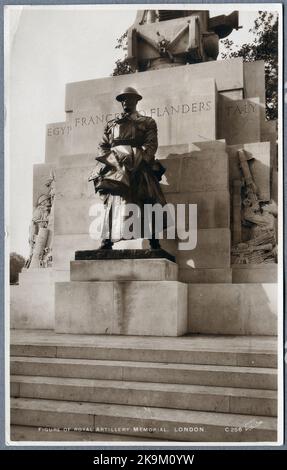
(144, 224)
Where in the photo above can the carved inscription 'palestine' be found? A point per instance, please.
(157, 113)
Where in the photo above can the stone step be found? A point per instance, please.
(240, 351)
(156, 423)
(216, 375)
(179, 396)
(30, 433)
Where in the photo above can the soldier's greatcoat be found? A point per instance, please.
(122, 178)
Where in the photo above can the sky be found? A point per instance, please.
(45, 48)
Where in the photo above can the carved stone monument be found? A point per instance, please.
(219, 153)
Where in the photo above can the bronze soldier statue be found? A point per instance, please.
(127, 171)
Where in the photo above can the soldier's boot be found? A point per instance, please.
(106, 244)
(154, 244)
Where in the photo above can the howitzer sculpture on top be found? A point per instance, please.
(166, 38)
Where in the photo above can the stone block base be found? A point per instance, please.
(153, 308)
(205, 276)
(124, 270)
(254, 273)
(233, 309)
(32, 301)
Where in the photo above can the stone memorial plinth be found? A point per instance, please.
(254, 273)
(127, 294)
(37, 310)
(33, 300)
(233, 309)
(206, 113)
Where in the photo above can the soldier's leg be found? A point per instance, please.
(154, 241)
(154, 244)
(106, 243)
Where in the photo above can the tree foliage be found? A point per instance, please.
(264, 46)
(16, 264)
(122, 67)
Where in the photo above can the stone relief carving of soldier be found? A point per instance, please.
(39, 221)
(46, 260)
(260, 217)
(127, 171)
(41, 229)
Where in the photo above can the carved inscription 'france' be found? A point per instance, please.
(156, 113)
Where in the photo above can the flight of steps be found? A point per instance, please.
(106, 388)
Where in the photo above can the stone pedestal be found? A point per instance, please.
(255, 273)
(122, 297)
(233, 309)
(32, 302)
